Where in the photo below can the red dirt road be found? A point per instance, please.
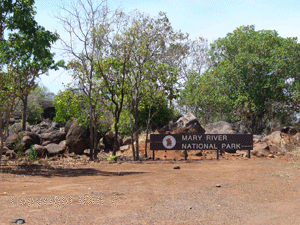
(253, 191)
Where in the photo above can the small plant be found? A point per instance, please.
(32, 153)
(18, 145)
(111, 158)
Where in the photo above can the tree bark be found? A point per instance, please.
(1, 138)
(25, 100)
(91, 133)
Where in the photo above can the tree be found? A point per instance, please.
(80, 21)
(154, 44)
(206, 98)
(21, 52)
(113, 66)
(27, 48)
(34, 108)
(259, 71)
(9, 98)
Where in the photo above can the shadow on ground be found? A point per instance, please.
(39, 170)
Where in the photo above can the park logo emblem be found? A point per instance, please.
(169, 142)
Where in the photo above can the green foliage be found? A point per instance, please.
(258, 72)
(35, 111)
(15, 128)
(125, 123)
(112, 158)
(158, 107)
(206, 98)
(18, 145)
(69, 104)
(32, 154)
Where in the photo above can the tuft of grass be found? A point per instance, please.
(112, 158)
(32, 153)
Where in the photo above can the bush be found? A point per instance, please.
(113, 158)
(32, 153)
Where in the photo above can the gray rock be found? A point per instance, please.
(78, 139)
(220, 127)
(18, 220)
(54, 149)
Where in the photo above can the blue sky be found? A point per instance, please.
(210, 19)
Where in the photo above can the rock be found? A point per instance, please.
(27, 142)
(54, 149)
(274, 149)
(46, 143)
(274, 138)
(87, 152)
(289, 130)
(218, 185)
(242, 153)
(35, 137)
(18, 220)
(127, 141)
(63, 144)
(45, 136)
(54, 137)
(108, 141)
(5, 149)
(40, 150)
(41, 127)
(199, 154)
(189, 120)
(220, 127)
(100, 145)
(78, 139)
(260, 146)
(11, 154)
(124, 148)
(68, 126)
(176, 167)
(57, 136)
(53, 127)
(240, 128)
(183, 130)
(23, 140)
(11, 141)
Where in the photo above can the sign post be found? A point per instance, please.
(201, 142)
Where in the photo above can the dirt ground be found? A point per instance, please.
(233, 190)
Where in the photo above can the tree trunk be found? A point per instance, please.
(1, 138)
(132, 143)
(136, 128)
(116, 144)
(147, 133)
(91, 133)
(25, 99)
(95, 139)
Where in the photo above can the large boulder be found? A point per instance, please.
(68, 126)
(41, 127)
(53, 127)
(108, 141)
(22, 140)
(77, 139)
(186, 121)
(55, 136)
(127, 141)
(54, 149)
(40, 150)
(11, 141)
(220, 127)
